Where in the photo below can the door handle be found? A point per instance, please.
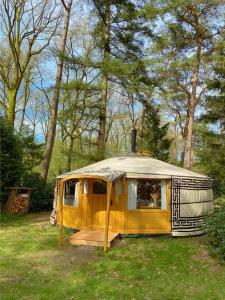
(111, 202)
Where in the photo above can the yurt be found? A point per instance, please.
(131, 194)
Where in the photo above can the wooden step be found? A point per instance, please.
(92, 237)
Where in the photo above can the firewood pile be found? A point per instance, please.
(18, 201)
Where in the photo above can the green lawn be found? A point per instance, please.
(33, 266)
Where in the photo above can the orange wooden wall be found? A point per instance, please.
(90, 213)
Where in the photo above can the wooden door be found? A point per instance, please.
(97, 210)
(93, 209)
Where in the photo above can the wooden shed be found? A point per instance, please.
(131, 194)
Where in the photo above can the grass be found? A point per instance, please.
(34, 267)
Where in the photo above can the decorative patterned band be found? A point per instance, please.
(192, 182)
(178, 221)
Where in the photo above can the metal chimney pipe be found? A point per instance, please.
(133, 140)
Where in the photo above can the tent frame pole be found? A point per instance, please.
(107, 214)
(61, 184)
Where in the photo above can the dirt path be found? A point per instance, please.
(68, 254)
(39, 216)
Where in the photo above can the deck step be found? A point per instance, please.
(91, 237)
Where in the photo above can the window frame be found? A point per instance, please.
(150, 209)
(92, 189)
(75, 203)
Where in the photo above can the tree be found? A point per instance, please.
(11, 167)
(185, 40)
(153, 137)
(119, 32)
(55, 101)
(105, 76)
(211, 128)
(78, 106)
(19, 155)
(26, 93)
(32, 151)
(27, 28)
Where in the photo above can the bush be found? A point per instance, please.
(11, 167)
(216, 229)
(19, 154)
(219, 187)
(42, 195)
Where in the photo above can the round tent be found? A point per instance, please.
(149, 196)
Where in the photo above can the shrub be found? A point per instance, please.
(216, 229)
(42, 194)
(11, 167)
(219, 188)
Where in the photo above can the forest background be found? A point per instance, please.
(77, 76)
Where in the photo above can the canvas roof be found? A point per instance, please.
(132, 166)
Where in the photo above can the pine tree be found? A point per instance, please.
(154, 136)
(185, 38)
(211, 146)
(119, 34)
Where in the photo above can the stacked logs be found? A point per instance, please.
(18, 201)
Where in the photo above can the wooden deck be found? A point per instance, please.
(92, 238)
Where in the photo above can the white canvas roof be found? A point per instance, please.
(133, 166)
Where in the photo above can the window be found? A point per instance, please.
(149, 194)
(146, 194)
(99, 187)
(118, 187)
(85, 186)
(70, 196)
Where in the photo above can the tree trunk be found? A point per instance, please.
(81, 144)
(69, 157)
(104, 83)
(54, 108)
(183, 148)
(175, 138)
(192, 105)
(11, 111)
(25, 99)
(142, 124)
